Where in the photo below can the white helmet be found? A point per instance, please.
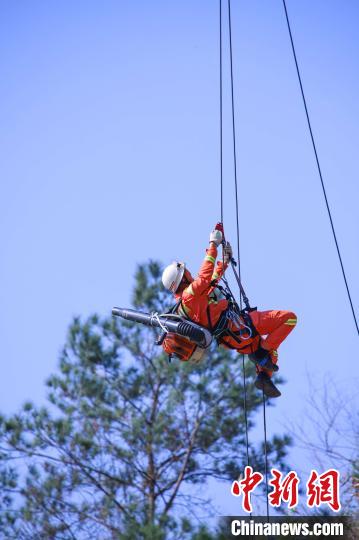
(172, 275)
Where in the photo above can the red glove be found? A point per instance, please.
(219, 227)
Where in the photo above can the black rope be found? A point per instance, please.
(265, 452)
(238, 259)
(237, 219)
(318, 165)
(234, 139)
(221, 105)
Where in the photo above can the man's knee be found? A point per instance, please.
(290, 319)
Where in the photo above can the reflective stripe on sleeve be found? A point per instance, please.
(210, 259)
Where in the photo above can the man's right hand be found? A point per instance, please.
(216, 237)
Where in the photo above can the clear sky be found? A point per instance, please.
(109, 155)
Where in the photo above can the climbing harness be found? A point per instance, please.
(238, 317)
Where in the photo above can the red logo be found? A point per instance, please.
(324, 489)
(285, 490)
(246, 486)
(321, 489)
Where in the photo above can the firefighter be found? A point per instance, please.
(257, 333)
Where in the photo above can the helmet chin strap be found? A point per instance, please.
(188, 276)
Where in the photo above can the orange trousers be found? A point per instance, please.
(273, 327)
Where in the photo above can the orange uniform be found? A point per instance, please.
(200, 294)
(199, 303)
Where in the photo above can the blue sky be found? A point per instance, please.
(109, 155)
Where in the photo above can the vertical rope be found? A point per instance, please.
(318, 166)
(221, 105)
(234, 140)
(237, 218)
(265, 452)
(239, 265)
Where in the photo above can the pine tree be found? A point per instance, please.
(127, 437)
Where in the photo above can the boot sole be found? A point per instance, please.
(268, 388)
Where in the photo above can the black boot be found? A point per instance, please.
(263, 382)
(261, 357)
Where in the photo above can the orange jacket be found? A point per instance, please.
(201, 293)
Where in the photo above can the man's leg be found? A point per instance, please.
(276, 325)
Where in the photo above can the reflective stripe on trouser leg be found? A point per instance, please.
(275, 324)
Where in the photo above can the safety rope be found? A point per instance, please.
(238, 276)
(234, 141)
(265, 452)
(318, 165)
(237, 214)
(221, 106)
